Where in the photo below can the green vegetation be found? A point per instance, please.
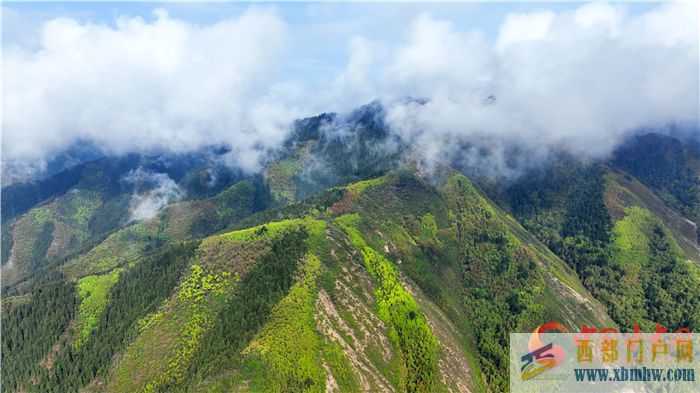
(356, 287)
(280, 176)
(7, 243)
(256, 294)
(288, 344)
(79, 206)
(32, 239)
(428, 227)
(564, 208)
(191, 295)
(139, 291)
(93, 292)
(121, 247)
(182, 221)
(244, 314)
(360, 187)
(312, 206)
(18, 198)
(198, 218)
(197, 284)
(634, 267)
(503, 285)
(646, 279)
(274, 229)
(668, 166)
(50, 232)
(340, 366)
(169, 338)
(408, 328)
(29, 330)
(622, 190)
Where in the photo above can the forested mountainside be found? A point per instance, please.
(344, 266)
(635, 254)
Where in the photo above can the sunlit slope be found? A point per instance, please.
(472, 260)
(654, 255)
(303, 314)
(623, 190)
(59, 234)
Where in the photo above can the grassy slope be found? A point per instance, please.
(163, 350)
(379, 236)
(653, 254)
(49, 232)
(288, 345)
(315, 305)
(652, 283)
(582, 213)
(341, 325)
(168, 338)
(94, 293)
(624, 191)
(408, 328)
(280, 176)
(395, 219)
(180, 221)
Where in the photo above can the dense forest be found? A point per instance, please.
(138, 291)
(565, 207)
(667, 165)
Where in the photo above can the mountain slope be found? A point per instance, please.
(55, 219)
(45, 223)
(667, 165)
(398, 298)
(623, 191)
(612, 230)
(342, 267)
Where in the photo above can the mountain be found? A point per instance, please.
(613, 230)
(343, 266)
(50, 221)
(76, 154)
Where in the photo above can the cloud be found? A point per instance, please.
(353, 84)
(152, 191)
(142, 85)
(578, 81)
(524, 27)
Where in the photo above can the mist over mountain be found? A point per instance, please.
(105, 255)
(577, 80)
(367, 132)
(339, 197)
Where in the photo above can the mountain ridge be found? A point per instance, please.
(394, 278)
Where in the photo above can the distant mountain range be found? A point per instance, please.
(344, 264)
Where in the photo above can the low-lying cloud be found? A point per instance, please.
(145, 85)
(152, 191)
(577, 80)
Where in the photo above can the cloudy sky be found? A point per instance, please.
(140, 76)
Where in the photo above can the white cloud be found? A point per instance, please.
(152, 191)
(578, 80)
(524, 27)
(435, 57)
(595, 15)
(142, 85)
(352, 85)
